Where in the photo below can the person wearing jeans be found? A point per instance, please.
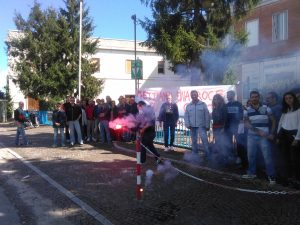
(257, 118)
(234, 118)
(20, 119)
(168, 115)
(74, 126)
(73, 114)
(254, 143)
(195, 132)
(104, 118)
(59, 122)
(197, 119)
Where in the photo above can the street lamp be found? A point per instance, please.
(133, 17)
(80, 34)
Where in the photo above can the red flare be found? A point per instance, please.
(118, 126)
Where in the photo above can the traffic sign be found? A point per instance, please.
(137, 69)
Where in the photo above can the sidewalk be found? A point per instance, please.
(8, 213)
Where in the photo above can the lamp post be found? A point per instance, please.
(133, 17)
(80, 36)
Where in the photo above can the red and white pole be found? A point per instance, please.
(139, 188)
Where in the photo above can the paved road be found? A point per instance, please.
(8, 213)
(95, 184)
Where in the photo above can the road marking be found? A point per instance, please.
(99, 217)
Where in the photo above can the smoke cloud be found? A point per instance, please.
(168, 170)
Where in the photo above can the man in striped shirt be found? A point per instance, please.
(257, 118)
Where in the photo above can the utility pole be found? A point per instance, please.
(133, 17)
(80, 37)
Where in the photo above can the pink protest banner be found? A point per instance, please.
(182, 95)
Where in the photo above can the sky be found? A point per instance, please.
(112, 19)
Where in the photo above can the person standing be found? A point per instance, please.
(133, 110)
(83, 119)
(73, 114)
(89, 111)
(20, 119)
(133, 106)
(114, 111)
(104, 118)
(197, 119)
(234, 119)
(97, 109)
(288, 137)
(108, 101)
(59, 122)
(257, 119)
(146, 125)
(273, 104)
(219, 117)
(123, 107)
(115, 134)
(168, 115)
(66, 105)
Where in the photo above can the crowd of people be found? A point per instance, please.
(88, 120)
(261, 133)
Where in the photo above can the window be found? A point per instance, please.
(161, 67)
(280, 26)
(96, 63)
(252, 30)
(128, 66)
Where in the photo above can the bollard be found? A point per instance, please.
(139, 188)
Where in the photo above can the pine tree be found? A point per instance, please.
(182, 29)
(47, 52)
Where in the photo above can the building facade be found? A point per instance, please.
(115, 58)
(271, 60)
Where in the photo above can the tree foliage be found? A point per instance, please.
(182, 29)
(47, 51)
(9, 109)
(230, 77)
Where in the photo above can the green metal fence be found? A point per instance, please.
(182, 135)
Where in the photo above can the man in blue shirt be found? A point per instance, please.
(234, 118)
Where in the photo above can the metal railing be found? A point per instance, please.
(182, 135)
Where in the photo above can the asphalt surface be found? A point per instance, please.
(95, 184)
